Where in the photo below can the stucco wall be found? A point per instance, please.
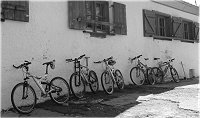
(47, 36)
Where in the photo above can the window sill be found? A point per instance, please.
(173, 38)
(162, 38)
(96, 34)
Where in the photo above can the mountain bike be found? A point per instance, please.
(163, 70)
(23, 96)
(111, 76)
(141, 72)
(81, 77)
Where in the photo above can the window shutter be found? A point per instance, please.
(76, 11)
(196, 31)
(168, 27)
(8, 10)
(191, 31)
(15, 10)
(177, 27)
(22, 11)
(149, 23)
(119, 19)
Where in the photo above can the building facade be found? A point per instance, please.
(43, 31)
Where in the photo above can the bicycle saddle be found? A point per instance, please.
(51, 63)
(111, 62)
(156, 58)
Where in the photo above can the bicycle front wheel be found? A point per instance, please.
(174, 75)
(107, 82)
(137, 76)
(93, 81)
(59, 90)
(119, 79)
(77, 85)
(23, 98)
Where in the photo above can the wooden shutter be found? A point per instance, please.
(15, 10)
(196, 31)
(177, 27)
(149, 23)
(76, 14)
(191, 30)
(119, 19)
(168, 26)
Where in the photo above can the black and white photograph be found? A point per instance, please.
(100, 58)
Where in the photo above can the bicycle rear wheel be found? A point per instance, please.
(23, 98)
(137, 76)
(93, 81)
(157, 74)
(59, 90)
(120, 79)
(107, 82)
(77, 85)
(151, 77)
(174, 75)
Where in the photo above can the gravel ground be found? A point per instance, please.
(169, 100)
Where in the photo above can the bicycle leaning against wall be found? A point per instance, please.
(161, 72)
(81, 77)
(141, 72)
(111, 76)
(23, 96)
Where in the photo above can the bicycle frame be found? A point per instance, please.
(111, 70)
(167, 67)
(38, 81)
(79, 69)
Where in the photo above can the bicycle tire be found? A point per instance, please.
(80, 93)
(157, 74)
(120, 79)
(174, 75)
(93, 81)
(14, 103)
(106, 77)
(61, 95)
(137, 78)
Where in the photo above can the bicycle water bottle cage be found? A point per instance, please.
(111, 62)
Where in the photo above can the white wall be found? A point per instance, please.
(47, 36)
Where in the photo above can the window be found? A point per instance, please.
(93, 17)
(185, 31)
(156, 24)
(163, 26)
(15, 10)
(96, 14)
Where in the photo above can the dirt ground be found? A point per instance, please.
(169, 100)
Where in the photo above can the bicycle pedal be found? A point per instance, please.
(44, 95)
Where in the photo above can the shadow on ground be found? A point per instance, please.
(98, 105)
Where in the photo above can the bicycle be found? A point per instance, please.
(23, 96)
(111, 76)
(82, 76)
(162, 73)
(142, 72)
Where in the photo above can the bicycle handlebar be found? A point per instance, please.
(22, 65)
(136, 57)
(104, 60)
(75, 59)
